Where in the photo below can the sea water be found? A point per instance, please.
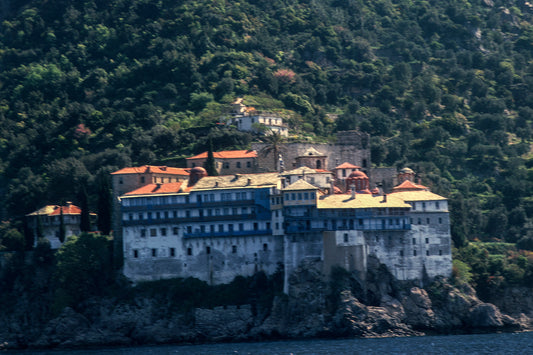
(500, 343)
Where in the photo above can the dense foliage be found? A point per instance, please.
(445, 87)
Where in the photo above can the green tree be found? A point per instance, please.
(210, 162)
(274, 145)
(84, 267)
(85, 220)
(62, 231)
(104, 205)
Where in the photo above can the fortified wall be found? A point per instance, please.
(351, 146)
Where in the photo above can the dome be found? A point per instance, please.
(406, 171)
(358, 175)
(198, 170)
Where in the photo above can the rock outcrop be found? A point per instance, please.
(315, 307)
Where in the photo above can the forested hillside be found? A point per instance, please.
(445, 87)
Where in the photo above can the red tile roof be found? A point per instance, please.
(55, 210)
(408, 185)
(171, 187)
(228, 154)
(147, 169)
(348, 166)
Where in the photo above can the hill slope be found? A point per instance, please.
(443, 86)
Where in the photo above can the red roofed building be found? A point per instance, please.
(344, 170)
(48, 219)
(132, 178)
(228, 162)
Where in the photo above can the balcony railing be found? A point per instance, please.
(228, 233)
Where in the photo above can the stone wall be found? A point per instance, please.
(351, 146)
(213, 259)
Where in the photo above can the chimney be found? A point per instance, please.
(249, 182)
(384, 198)
(352, 187)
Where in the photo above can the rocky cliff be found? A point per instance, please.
(341, 306)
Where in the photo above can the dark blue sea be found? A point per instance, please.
(503, 343)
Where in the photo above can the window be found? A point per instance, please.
(120, 180)
(427, 252)
(265, 247)
(154, 252)
(440, 220)
(189, 229)
(256, 226)
(158, 215)
(241, 227)
(175, 214)
(226, 165)
(238, 164)
(420, 221)
(248, 164)
(175, 230)
(414, 252)
(212, 228)
(268, 225)
(188, 214)
(189, 251)
(153, 232)
(130, 216)
(234, 249)
(140, 216)
(401, 252)
(437, 205)
(149, 215)
(440, 252)
(172, 252)
(423, 205)
(208, 250)
(202, 229)
(427, 220)
(143, 232)
(163, 232)
(166, 214)
(346, 237)
(427, 240)
(221, 228)
(414, 206)
(230, 227)
(142, 179)
(414, 241)
(135, 253)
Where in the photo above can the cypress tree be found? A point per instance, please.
(85, 221)
(62, 231)
(210, 166)
(104, 205)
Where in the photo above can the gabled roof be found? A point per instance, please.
(147, 169)
(304, 170)
(360, 201)
(300, 185)
(228, 154)
(150, 189)
(55, 210)
(408, 185)
(237, 181)
(347, 165)
(312, 152)
(420, 195)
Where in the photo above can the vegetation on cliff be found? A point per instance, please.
(442, 86)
